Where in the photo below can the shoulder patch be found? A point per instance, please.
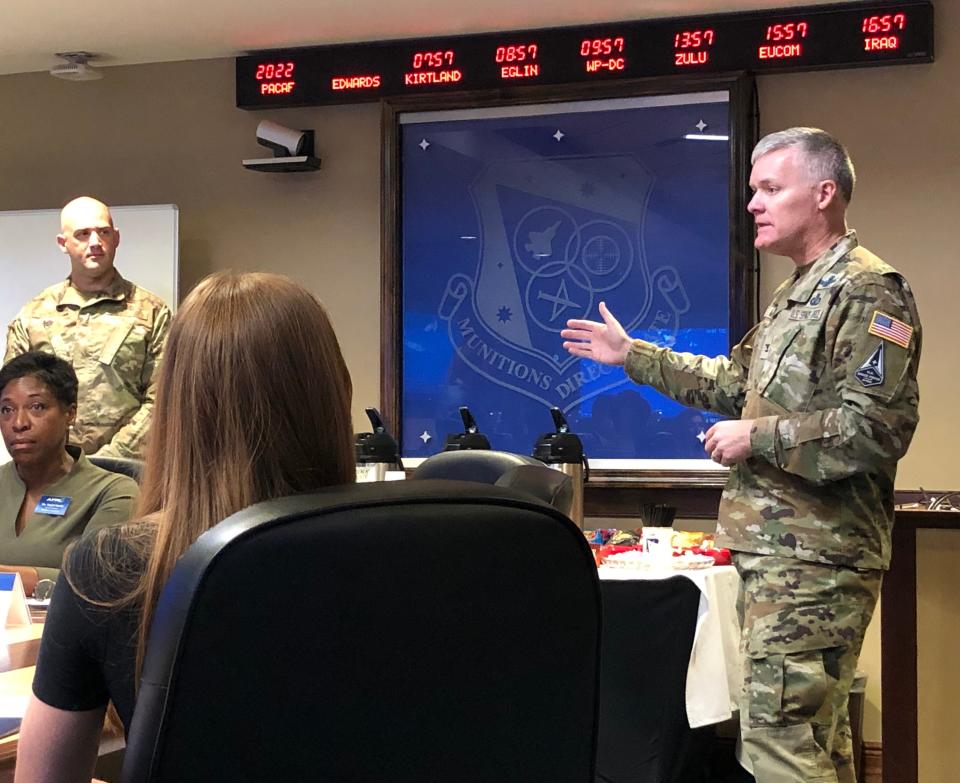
(870, 373)
(890, 328)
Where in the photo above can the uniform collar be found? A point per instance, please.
(816, 274)
(117, 291)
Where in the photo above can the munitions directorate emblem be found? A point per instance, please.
(557, 238)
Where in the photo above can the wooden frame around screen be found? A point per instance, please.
(742, 113)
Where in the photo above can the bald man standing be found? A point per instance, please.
(110, 330)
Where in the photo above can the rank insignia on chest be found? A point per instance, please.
(890, 328)
(870, 373)
(826, 282)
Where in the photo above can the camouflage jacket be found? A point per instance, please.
(830, 377)
(114, 340)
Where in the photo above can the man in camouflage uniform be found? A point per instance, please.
(109, 329)
(824, 395)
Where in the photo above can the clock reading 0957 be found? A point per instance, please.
(602, 54)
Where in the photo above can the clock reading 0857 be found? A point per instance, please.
(517, 61)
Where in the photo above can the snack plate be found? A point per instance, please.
(690, 561)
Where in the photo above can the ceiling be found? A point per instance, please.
(131, 31)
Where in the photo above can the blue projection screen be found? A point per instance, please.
(515, 219)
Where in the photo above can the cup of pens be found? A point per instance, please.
(657, 533)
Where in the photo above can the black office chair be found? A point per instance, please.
(397, 632)
(502, 469)
(128, 467)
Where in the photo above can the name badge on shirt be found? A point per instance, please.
(806, 314)
(53, 505)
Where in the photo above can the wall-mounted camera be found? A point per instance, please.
(292, 149)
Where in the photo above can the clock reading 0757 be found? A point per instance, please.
(432, 67)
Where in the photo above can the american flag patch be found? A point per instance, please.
(889, 328)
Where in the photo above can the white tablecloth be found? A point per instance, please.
(714, 674)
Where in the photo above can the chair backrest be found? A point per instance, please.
(394, 632)
(482, 465)
(128, 467)
(504, 469)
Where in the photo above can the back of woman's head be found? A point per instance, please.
(253, 402)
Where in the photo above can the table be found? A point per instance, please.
(18, 656)
(669, 663)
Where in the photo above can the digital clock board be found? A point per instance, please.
(787, 39)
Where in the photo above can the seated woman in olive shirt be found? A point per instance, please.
(253, 403)
(50, 493)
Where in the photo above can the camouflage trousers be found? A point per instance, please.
(803, 626)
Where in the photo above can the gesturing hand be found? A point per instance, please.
(728, 442)
(607, 342)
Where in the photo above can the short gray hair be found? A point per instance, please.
(826, 156)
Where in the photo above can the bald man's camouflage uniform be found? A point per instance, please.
(114, 339)
(830, 377)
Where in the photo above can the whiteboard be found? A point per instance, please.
(31, 260)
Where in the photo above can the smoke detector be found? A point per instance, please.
(76, 67)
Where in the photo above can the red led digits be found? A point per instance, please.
(433, 67)
(785, 40)
(437, 59)
(692, 47)
(517, 61)
(879, 32)
(274, 71)
(787, 31)
(883, 23)
(602, 54)
(275, 78)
